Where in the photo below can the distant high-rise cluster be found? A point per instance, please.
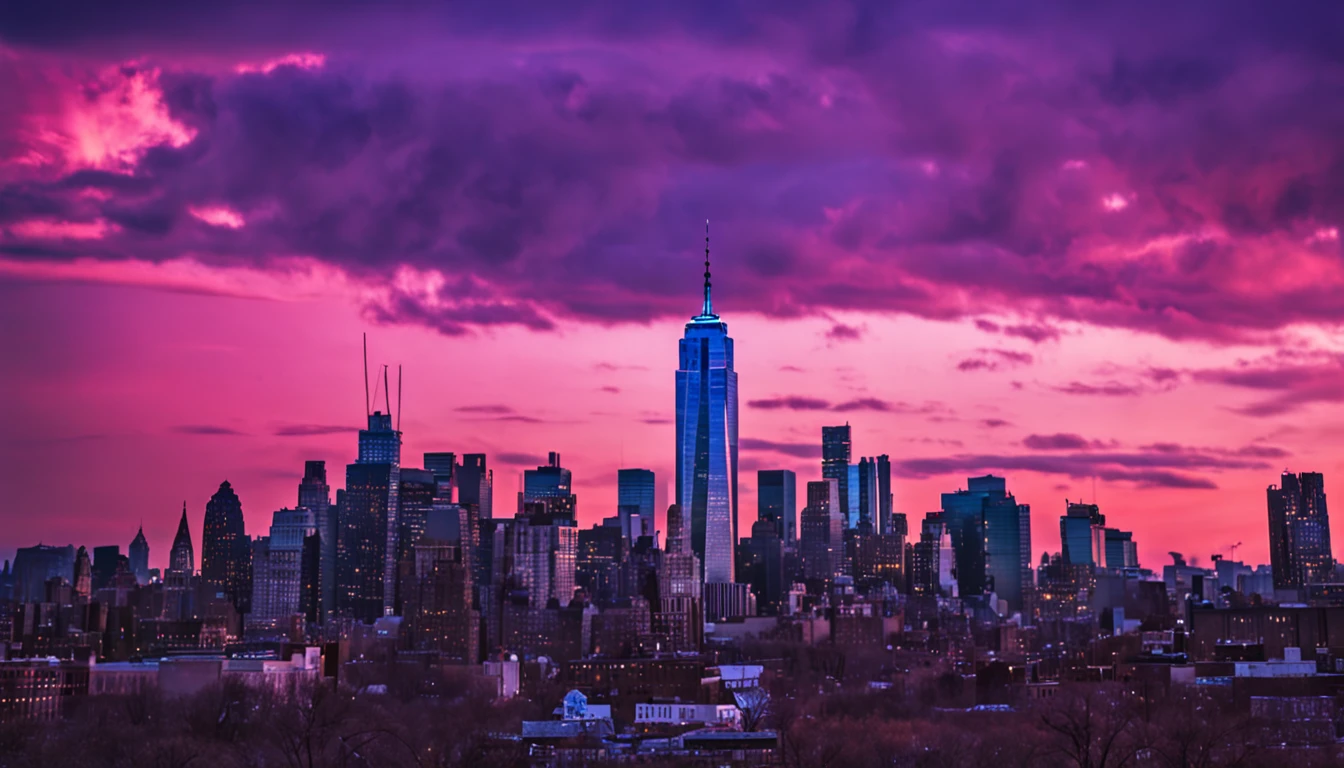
(415, 558)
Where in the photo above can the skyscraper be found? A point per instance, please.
(552, 486)
(315, 496)
(1299, 531)
(1081, 534)
(278, 562)
(415, 500)
(475, 484)
(444, 466)
(83, 581)
(884, 501)
(991, 541)
(139, 557)
(635, 491)
(545, 554)
(105, 565)
(822, 540)
(761, 565)
(366, 538)
(182, 557)
(707, 437)
(438, 603)
(870, 518)
(226, 552)
(835, 454)
(777, 501)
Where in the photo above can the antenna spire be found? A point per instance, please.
(366, 375)
(387, 394)
(707, 310)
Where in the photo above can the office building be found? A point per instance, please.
(438, 601)
(1121, 551)
(33, 566)
(82, 584)
(776, 500)
(443, 465)
(1299, 531)
(635, 492)
(280, 569)
(415, 499)
(544, 554)
(315, 496)
(551, 486)
(105, 566)
(367, 527)
(706, 424)
(760, 565)
(601, 552)
(835, 454)
(884, 497)
(822, 536)
(1081, 534)
(138, 554)
(226, 552)
(991, 541)
(931, 561)
(474, 482)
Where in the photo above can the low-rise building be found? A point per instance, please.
(673, 713)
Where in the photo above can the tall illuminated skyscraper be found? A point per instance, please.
(1299, 531)
(366, 537)
(835, 452)
(707, 437)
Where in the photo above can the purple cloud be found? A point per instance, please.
(1128, 187)
(792, 403)
(797, 450)
(207, 430)
(1058, 442)
(993, 359)
(1033, 333)
(842, 332)
(1108, 389)
(517, 459)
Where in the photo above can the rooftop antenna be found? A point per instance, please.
(708, 309)
(366, 376)
(398, 397)
(387, 393)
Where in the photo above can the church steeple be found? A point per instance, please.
(182, 557)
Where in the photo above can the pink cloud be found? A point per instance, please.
(58, 230)
(299, 60)
(217, 216)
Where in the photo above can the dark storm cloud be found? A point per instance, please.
(1118, 166)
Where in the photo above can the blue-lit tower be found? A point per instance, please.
(707, 437)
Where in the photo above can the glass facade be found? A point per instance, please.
(635, 490)
(707, 441)
(991, 541)
(777, 501)
(835, 453)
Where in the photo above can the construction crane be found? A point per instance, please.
(1233, 551)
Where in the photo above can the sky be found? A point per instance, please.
(1093, 249)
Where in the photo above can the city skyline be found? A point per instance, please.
(1040, 301)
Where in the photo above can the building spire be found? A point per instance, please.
(707, 310)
